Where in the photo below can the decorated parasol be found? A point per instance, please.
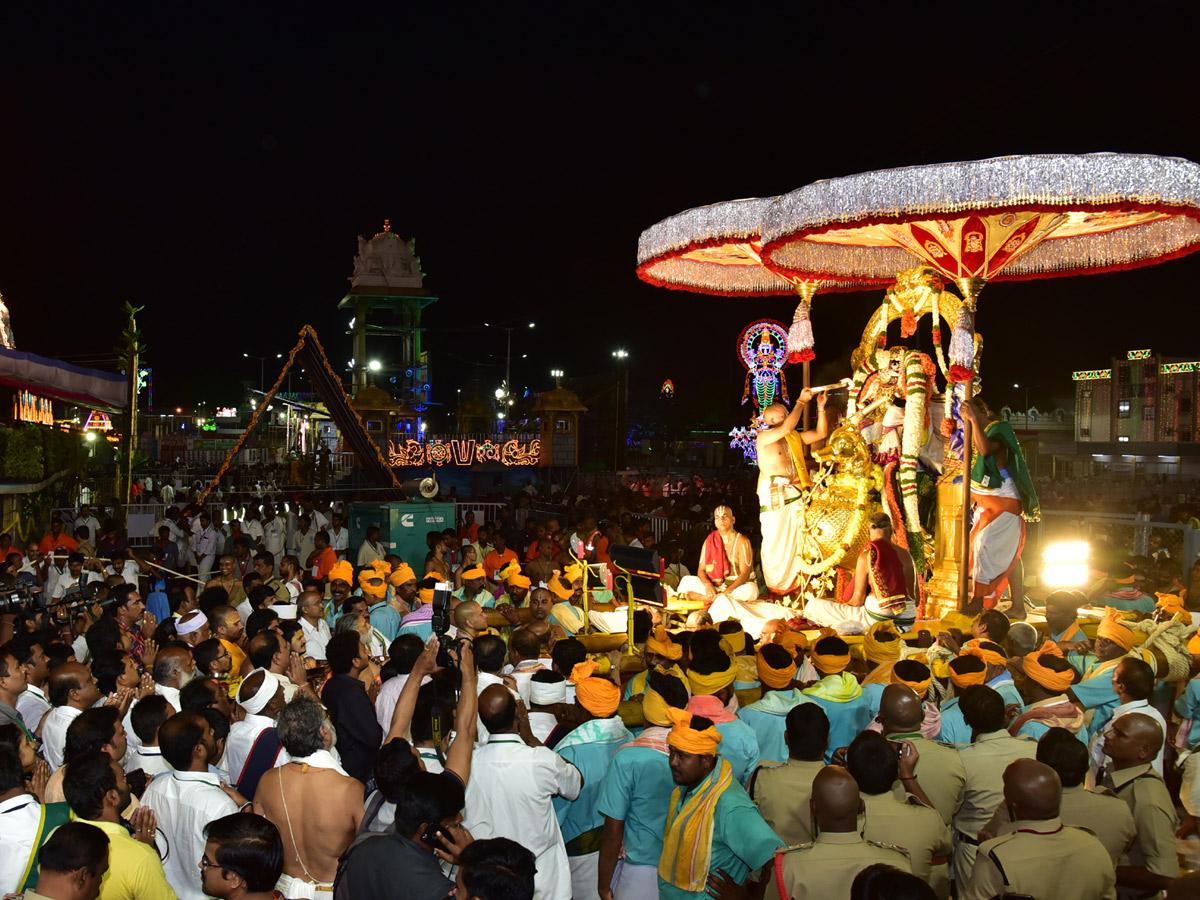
(1003, 219)
(717, 249)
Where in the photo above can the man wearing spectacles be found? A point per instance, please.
(243, 858)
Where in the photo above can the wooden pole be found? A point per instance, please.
(804, 413)
(969, 286)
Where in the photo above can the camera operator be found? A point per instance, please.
(80, 572)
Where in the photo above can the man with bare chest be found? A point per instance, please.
(782, 477)
(315, 805)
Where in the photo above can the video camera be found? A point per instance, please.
(441, 624)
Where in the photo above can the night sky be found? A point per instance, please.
(216, 163)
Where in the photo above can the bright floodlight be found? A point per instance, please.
(375, 365)
(499, 393)
(531, 324)
(91, 435)
(1065, 565)
(556, 373)
(620, 354)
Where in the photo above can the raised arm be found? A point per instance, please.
(458, 757)
(788, 425)
(822, 430)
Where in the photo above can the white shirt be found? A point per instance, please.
(92, 524)
(149, 760)
(54, 733)
(79, 645)
(1096, 746)
(289, 689)
(129, 572)
(367, 553)
(518, 784)
(19, 819)
(242, 736)
(340, 541)
(66, 582)
(243, 610)
(254, 530)
(315, 637)
(389, 696)
(205, 544)
(274, 536)
(32, 705)
(183, 803)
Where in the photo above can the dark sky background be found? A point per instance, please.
(216, 163)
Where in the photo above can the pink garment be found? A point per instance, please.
(931, 728)
(710, 707)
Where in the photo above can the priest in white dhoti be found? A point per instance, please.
(724, 580)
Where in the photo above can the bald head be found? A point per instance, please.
(835, 801)
(1032, 789)
(900, 709)
(1022, 639)
(464, 612)
(498, 709)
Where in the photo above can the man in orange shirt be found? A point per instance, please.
(326, 559)
(57, 538)
(469, 529)
(499, 556)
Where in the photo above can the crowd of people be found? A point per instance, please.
(257, 709)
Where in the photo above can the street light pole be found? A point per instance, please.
(620, 356)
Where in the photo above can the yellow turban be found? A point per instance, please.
(991, 657)
(660, 644)
(402, 575)
(512, 576)
(1048, 678)
(734, 643)
(343, 570)
(684, 737)
(1113, 627)
(476, 571)
(599, 696)
(559, 589)
(775, 678)
(425, 595)
(573, 572)
(377, 571)
(829, 663)
(921, 687)
(876, 650)
(1193, 646)
(710, 684)
(654, 707)
(1172, 603)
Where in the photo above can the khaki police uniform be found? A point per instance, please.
(782, 794)
(917, 829)
(827, 867)
(1100, 811)
(940, 773)
(1043, 858)
(984, 761)
(1154, 847)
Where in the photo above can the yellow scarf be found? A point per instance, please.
(838, 688)
(687, 847)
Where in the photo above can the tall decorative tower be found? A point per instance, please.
(387, 276)
(558, 426)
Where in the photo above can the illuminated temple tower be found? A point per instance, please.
(387, 277)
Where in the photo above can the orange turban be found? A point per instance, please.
(512, 576)
(829, 663)
(559, 589)
(343, 570)
(1193, 646)
(377, 571)
(715, 681)
(1113, 627)
(775, 678)
(991, 657)
(425, 595)
(1172, 603)
(402, 575)
(878, 651)
(965, 679)
(684, 737)
(476, 571)
(794, 642)
(573, 572)
(921, 687)
(599, 696)
(1048, 678)
(660, 644)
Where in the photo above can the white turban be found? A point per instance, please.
(262, 696)
(193, 621)
(543, 693)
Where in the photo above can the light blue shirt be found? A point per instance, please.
(846, 720)
(592, 758)
(637, 790)
(739, 745)
(955, 729)
(768, 719)
(385, 620)
(1188, 706)
(742, 842)
(1098, 695)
